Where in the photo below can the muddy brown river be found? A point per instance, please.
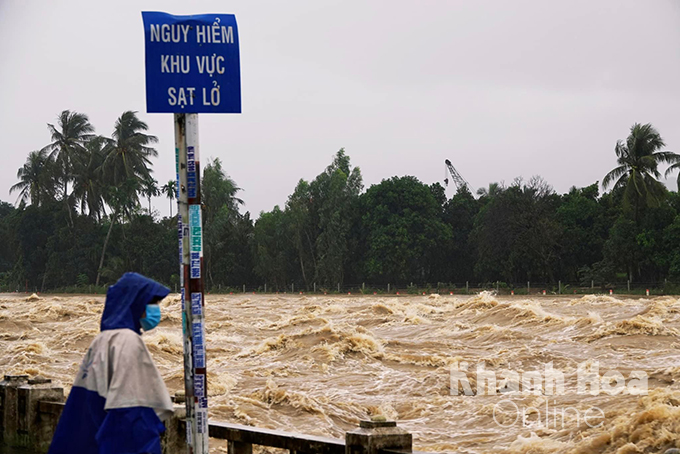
(319, 364)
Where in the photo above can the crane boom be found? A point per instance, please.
(455, 176)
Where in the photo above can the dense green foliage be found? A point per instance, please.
(80, 219)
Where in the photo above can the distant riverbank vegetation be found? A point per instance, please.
(83, 217)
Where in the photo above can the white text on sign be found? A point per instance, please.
(185, 95)
(206, 64)
(204, 34)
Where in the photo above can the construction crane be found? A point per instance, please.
(455, 176)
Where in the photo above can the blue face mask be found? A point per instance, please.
(153, 317)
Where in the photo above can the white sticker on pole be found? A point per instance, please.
(201, 420)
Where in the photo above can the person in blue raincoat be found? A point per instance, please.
(118, 398)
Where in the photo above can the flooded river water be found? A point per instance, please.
(319, 364)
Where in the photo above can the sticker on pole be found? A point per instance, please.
(192, 63)
(199, 346)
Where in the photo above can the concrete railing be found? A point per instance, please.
(22, 423)
(30, 411)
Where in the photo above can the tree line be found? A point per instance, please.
(81, 219)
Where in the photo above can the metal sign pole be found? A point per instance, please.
(190, 230)
(192, 66)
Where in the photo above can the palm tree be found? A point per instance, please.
(672, 169)
(128, 156)
(493, 190)
(73, 130)
(126, 166)
(638, 160)
(36, 178)
(150, 189)
(88, 185)
(170, 192)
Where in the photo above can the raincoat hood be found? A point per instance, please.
(126, 301)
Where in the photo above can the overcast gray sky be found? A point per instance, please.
(501, 88)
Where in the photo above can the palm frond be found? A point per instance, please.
(613, 175)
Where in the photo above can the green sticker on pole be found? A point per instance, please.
(195, 240)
